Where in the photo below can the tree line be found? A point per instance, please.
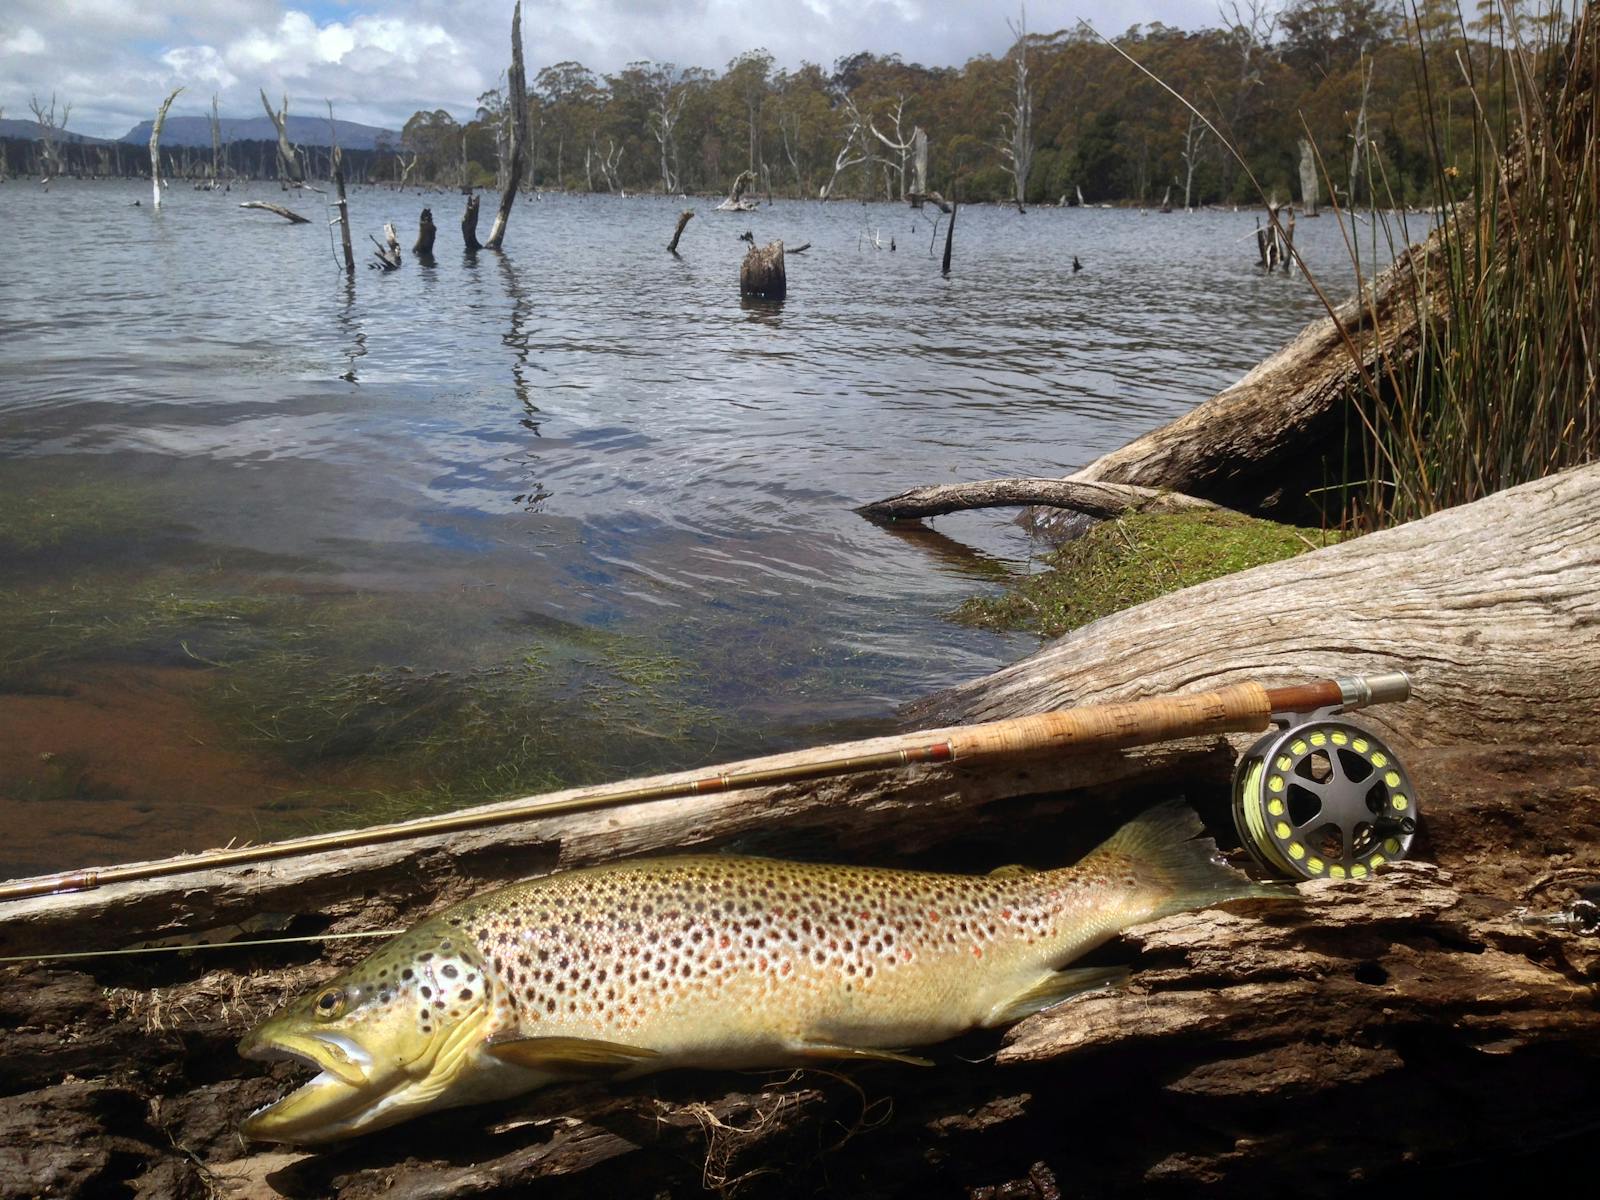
(1059, 114)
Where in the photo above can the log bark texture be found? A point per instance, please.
(469, 225)
(677, 231)
(1098, 500)
(426, 232)
(1415, 1029)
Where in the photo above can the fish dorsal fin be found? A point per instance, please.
(829, 1050)
(1051, 990)
(581, 1057)
(1013, 869)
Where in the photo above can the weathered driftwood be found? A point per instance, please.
(387, 252)
(426, 232)
(344, 208)
(469, 224)
(289, 168)
(736, 201)
(761, 274)
(677, 232)
(288, 214)
(516, 91)
(1098, 500)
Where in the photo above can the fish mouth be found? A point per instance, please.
(315, 1109)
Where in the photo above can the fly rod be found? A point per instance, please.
(1238, 708)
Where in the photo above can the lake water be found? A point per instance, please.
(279, 552)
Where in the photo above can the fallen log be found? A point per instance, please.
(1099, 500)
(288, 214)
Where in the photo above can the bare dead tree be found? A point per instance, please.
(517, 100)
(900, 144)
(51, 128)
(406, 167)
(609, 162)
(1016, 120)
(855, 149)
(1192, 148)
(663, 119)
(1253, 26)
(338, 187)
(288, 161)
(919, 164)
(789, 132)
(155, 144)
(1310, 193)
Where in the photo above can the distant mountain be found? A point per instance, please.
(303, 131)
(32, 130)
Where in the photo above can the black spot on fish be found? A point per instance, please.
(426, 991)
(449, 971)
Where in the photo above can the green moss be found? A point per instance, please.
(39, 515)
(1127, 561)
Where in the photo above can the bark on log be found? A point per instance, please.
(761, 275)
(426, 232)
(517, 93)
(1258, 445)
(344, 213)
(469, 225)
(1099, 500)
(677, 232)
(1386, 1031)
(287, 214)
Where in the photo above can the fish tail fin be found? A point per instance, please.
(1176, 868)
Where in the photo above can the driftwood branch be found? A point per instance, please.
(736, 201)
(1092, 499)
(677, 231)
(387, 253)
(288, 214)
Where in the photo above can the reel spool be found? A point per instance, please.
(1323, 798)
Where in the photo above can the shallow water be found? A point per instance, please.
(285, 550)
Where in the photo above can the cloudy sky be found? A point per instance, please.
(381, 61)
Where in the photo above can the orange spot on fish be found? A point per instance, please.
(905, 954)
(933, 914)
(1006, 913)
(977, 952)
(724, 942)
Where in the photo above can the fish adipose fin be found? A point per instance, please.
(579, 1057)
(1052, 990)
(827, 1051)
(1012, 871)
(1177, 865)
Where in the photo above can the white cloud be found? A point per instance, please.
(380, 61)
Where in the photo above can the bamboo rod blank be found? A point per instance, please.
(1238, 708)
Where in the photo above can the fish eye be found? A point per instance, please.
(330, 1004)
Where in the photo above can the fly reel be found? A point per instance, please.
(1321, 797)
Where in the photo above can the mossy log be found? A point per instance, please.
(1412, 1028)
(1099, 500)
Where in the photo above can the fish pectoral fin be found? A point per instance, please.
(829, 1051)
(581, 1057)
(1052, 990)
(1012, 870)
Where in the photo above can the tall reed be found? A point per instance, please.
(1499, 387)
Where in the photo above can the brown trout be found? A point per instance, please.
(709, 961)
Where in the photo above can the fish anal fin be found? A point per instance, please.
(1051, 990)
(1011, 871)
(578, 1057)
(830, 1052)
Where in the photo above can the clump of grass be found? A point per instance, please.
(1502, 387)
(1126, 561)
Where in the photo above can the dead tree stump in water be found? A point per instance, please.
(761, 275)
(388, 250)
(683, 219)
(469, 225)
(288, 214)
(426, 230)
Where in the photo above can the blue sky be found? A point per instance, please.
(379, 62)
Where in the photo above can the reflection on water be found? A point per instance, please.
(308, 549)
